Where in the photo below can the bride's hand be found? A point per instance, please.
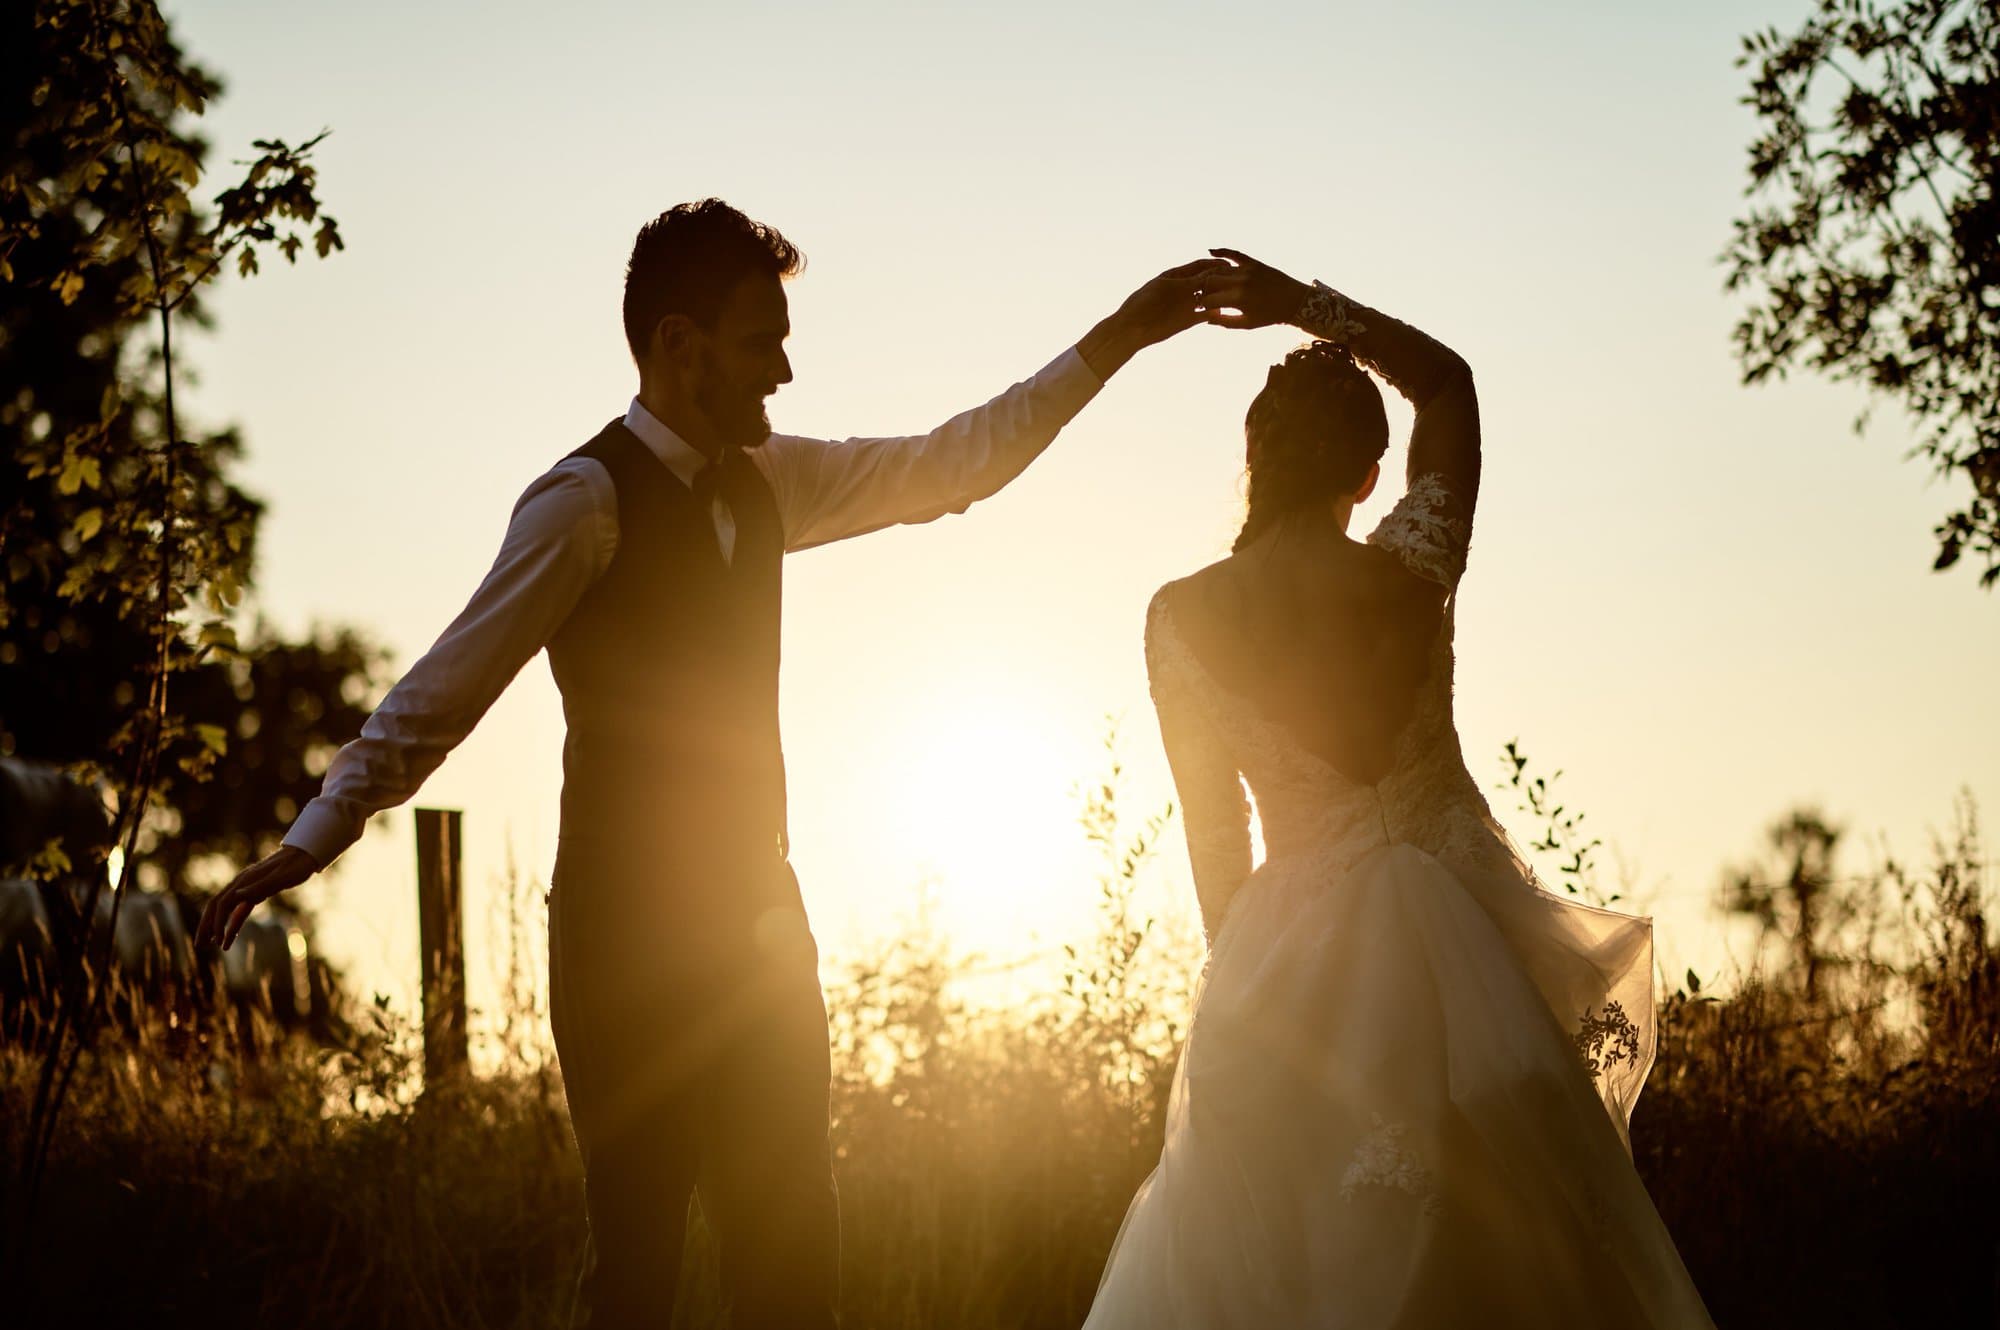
(1258, 294)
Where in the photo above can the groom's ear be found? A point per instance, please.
(673, 337)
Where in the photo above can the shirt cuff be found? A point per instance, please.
(1070, 368)
(323, 832)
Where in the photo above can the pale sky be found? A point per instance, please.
(1704, 602)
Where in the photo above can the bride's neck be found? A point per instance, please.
(1331, 520)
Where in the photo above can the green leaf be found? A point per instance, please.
(50, 861)
(88, 523)
(214, 738)
(224, 592)
(79, 473)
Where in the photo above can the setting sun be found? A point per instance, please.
(976, 784)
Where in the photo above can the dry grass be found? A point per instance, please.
(1826, 1164)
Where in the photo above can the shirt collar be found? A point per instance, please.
(678, 455)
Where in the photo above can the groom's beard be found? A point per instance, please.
(736, 414)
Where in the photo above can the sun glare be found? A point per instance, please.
(979, 803)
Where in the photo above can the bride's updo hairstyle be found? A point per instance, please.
(1311, 435)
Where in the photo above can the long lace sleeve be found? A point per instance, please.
(1431, 528)
(1423, 533)
(1214, 812)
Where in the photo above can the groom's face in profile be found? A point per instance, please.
(741, 361)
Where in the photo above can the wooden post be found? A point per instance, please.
(441, 935)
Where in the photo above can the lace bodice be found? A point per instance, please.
(1307, 807)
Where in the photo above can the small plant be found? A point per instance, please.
(1561, 827)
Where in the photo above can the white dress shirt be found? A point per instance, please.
(565, 529)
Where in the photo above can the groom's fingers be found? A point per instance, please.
(214, 926)
(1195, 292)
(1223, 290)
(223, 917)
(214, 914)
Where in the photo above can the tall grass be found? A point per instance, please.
(1821, 1163)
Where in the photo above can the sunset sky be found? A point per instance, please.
(1704, 602)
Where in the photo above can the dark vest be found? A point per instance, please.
(668, 668)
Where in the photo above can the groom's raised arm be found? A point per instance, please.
(828, 490)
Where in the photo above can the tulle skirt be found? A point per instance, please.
(1402, 1103)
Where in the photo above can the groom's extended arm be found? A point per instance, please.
(828, 490)
(559, 539)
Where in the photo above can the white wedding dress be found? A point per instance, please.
(1405, 1092)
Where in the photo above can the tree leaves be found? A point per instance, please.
(128, 552)
(79, 472)
(1871, 252)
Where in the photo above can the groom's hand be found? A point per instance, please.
(1168, 304)
(224, 915)
(1249, 294)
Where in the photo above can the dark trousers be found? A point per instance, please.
(692, 1035)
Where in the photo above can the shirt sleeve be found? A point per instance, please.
(559, 540)
(1215, 814)
(828, 490)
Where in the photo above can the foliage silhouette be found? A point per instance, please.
(124, 548)
(1872, 253)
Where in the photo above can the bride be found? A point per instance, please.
(1405, 1094)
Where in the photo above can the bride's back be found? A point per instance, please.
(1330, 639)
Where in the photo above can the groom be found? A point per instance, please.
(684, 986)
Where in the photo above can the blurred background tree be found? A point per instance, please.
(1871, 250)
(1797, 900)
(125, 548)
(100, 240)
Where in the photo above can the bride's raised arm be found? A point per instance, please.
(1444, 443)
(1433, 377)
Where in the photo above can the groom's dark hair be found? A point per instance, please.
(689, 258)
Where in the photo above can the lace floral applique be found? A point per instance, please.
(1417, 531)
(1605, 1041)
(1330, 315)
(1383, 1160)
